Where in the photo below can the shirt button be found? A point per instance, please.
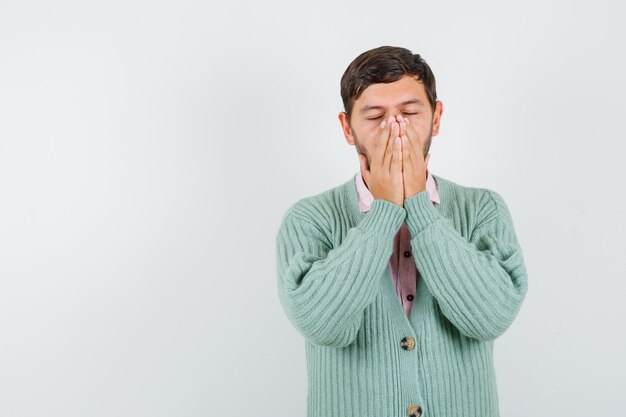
(414, 410)
(409, 297)
(408, 343)
(407, 254)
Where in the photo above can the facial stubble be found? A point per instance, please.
(360, 149)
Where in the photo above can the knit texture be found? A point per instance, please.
(335, 288)
(404, 274)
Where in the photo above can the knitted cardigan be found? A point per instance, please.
(335, 288)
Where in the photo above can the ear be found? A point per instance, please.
(345, 127)
(437, 117)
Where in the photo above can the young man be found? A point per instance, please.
(399, 280)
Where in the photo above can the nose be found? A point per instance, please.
(398, 117)
(392, 118)
(395, 118)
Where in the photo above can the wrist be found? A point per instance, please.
(420, 212)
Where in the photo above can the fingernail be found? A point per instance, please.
(382, 125)
(397, 140)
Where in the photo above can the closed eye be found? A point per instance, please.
(376, 118)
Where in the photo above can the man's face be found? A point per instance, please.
(379, 101)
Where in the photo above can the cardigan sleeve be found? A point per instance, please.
(478, 283)
(324, 290)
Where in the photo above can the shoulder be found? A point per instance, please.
(485, 203)
(321, 209)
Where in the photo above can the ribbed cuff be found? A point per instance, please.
(384, 217)
(420, 212)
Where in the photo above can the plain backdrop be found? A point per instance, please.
(148, 150)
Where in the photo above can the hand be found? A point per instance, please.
(414, 165)
(383, 174)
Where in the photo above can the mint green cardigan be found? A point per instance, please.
(335, 288)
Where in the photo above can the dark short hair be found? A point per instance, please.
(384, 64)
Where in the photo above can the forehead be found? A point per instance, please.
(383, 95)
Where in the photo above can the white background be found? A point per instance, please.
(148, 150)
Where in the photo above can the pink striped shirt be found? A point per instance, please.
(404, 274)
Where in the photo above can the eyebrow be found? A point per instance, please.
(404, 103)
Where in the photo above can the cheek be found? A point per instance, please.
(366, 134)
(371, 128)
(418, 124)
(416, 119)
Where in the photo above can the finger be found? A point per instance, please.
(403, 123)
(396, 161)
(380, 144)
(410, 150)
(407, 161)
(385, 140)
(414, 139)
(381, 129)
(388, 158)
(410, 147)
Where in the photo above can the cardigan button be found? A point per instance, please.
(414, 410)
(407, 254)
(408, 343)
